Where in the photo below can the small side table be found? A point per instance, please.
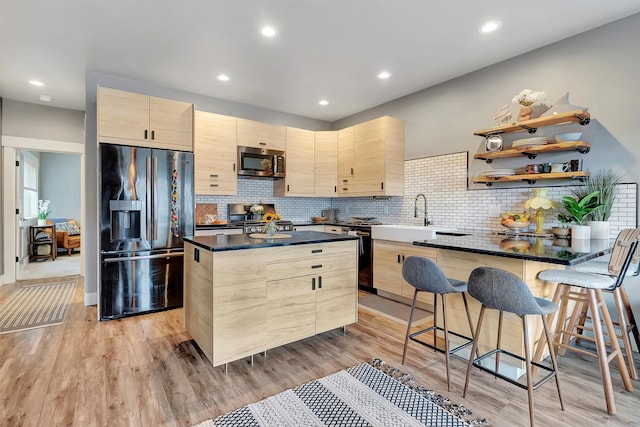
(35, 244)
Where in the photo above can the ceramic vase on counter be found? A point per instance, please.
(599, 229)
(580, 232)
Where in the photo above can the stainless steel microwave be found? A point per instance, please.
(260, 162)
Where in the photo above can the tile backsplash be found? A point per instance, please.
(443, 180)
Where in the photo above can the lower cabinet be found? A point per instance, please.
(293, 292)
(388, 258)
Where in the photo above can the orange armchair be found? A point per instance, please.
(67, 234)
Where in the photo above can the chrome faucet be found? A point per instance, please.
(415, 209)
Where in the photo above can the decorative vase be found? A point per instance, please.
(600, 229)
(562, 106)
(270, 229)
(580, 232)
(524, 113)
(42, 222)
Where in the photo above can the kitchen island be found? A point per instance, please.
(458, 255)
(244, 295)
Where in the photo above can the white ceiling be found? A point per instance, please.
(329, 49)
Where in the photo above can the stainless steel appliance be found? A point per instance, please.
(261, 162)
(240, 214)
(146, 207)
(361, 226)
(330, 215)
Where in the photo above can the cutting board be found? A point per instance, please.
(203, 209)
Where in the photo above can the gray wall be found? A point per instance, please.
(42, 122)
(60, 182)
(600, 69)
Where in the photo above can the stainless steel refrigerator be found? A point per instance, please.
(146, 207)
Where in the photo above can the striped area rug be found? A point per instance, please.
(36, 306)
(371, 394)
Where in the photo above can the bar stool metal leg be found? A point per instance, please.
(446, 337)
(527, 364)
(474, 350)
(406, 338)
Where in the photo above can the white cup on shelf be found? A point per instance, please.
(560, 167)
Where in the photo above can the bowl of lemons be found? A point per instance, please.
(515, 220)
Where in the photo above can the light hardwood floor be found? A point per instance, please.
(145, 371)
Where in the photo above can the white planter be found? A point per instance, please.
(580, 232)
(599, 229)
(581, 245)
(42, 222)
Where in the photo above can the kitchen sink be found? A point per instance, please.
(407, 233)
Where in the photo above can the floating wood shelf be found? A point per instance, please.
(576, 116)
(533, 150)
(532, 178)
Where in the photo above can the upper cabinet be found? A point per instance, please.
(134, 119)
(371, 158)
(215, 154)
(299, 179)
(326, 164)
(532, 151)
(261, 135)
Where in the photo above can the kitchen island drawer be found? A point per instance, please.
(311, 266)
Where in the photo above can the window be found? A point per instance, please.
(29, 186)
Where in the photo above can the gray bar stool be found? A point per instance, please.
(590, 287)
(500, 290)
(425, 276)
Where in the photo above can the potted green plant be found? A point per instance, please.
(605, 182)
(563, 230)
(579, 210)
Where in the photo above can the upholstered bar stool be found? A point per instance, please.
(425, 276)
(587, 289)
(501, 290)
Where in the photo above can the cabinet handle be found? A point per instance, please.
(382, 185)
(402, 258)
(344, 189)
(398, 258)
(153, 134)
(319, 282)
(214, 176)
(287, 187)
(317, 266)
(146, 134)
(351, 171)
(196, 255)
(213, 185)
(335, 188)
(317, 251)
(234, 167)
(262, 143)
(313, 283)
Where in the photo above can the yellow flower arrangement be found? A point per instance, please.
(270, 216)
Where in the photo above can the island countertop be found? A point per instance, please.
(233, 242)
(558, 251)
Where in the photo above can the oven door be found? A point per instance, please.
(365, 259)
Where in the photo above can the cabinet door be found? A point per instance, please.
(290, 310)
(387, 268)
(336, 300)
(123, 117)
(171, 124)
(369, 157)
(261, 135)
(326, 164)
(215, 154)
(345, 160)
(299, 180)
(198, 297)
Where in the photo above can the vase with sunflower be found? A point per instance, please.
(270, 228)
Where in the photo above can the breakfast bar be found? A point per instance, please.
(244, 295)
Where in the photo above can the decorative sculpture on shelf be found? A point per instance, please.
(526, 99)
(503, 115)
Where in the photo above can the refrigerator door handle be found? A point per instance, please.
(149, 195)
(155, 197)
(136, 258)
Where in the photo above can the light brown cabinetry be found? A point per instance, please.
(215, 154)
(287, 293)
(374, 163)
(261, 135)
(299, 180)
(326, 163)
(134, 119)
(388, 258)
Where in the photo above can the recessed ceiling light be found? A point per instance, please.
(45, 98)
(269, 31)
(323, 102)
(222, 77)
(384, 75)
(36, 83)
(490, 27)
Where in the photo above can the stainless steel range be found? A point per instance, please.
(253, 226)
(240, 214)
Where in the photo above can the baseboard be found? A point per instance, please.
(90, 298)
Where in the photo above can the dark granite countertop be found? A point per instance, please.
(243, 241)
(555, 251)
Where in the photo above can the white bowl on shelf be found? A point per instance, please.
(570, 136)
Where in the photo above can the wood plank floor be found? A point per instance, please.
(145, 371)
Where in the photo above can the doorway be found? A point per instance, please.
(54, 178)
(11, 147)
